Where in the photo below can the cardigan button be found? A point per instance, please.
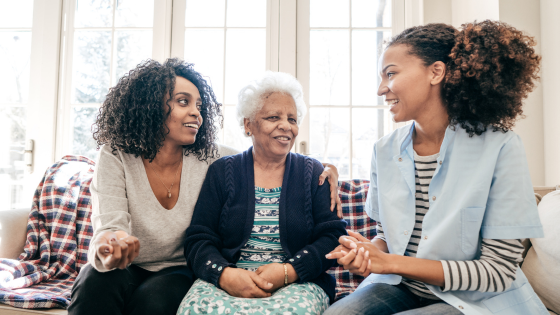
(305, 252)
(214, 266)
(425, 237)
(405, 232)
(291, 259)
(220, 268)
(440, 162)
(461, 307)
(208, 263)
(400, 159)
(434, 198)
(298, 256)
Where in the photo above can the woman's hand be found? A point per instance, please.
(245, 284)
(116, 249)
(331, 173)
(274, 273)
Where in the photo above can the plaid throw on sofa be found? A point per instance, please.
(353, 195)
(58, 235)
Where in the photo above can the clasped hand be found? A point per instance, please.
(259, 284)
(359, 256)
(116, 249)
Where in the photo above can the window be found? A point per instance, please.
(16, 21)
(80, 48)
(105, 39)
(337, 64)
(228, 42)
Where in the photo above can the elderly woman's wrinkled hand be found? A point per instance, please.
(243, 283)
(273, 273)
(331, 173)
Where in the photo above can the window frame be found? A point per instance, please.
(303, 140)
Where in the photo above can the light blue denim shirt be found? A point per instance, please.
(481, 188)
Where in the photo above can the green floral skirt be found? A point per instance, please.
(305, 298)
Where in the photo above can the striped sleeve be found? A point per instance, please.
(380, 235)
(494, 271)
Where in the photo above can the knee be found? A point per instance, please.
(91, 280)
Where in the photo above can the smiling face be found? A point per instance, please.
(406, 83)
(185, 119)
(274, 128)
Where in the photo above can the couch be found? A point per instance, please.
(13, 225)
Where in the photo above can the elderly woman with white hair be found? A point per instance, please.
(262, 224)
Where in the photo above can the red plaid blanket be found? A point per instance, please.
(58, 235)
(353, 195)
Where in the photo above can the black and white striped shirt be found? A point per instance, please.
(494, 271)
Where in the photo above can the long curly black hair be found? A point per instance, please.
(491, 68)
(132, 117)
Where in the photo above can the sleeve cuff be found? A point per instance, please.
(213, 271)
(446, 275)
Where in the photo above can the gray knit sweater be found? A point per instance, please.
(122, 199)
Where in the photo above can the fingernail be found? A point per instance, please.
(328, 256)
(367, 253)
(361, 249)
(353, 245)
(355, 251)
(345, 253)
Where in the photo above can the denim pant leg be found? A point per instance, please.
(376, 299)
(440, 308)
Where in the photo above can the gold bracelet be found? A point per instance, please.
(285, 274)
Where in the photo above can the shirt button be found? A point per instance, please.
(400, 159)
(461, 307)
(434, 198)
(405, 232)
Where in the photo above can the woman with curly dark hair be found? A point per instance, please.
(158, 129)
(451, 193)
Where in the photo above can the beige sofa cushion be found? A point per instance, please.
(542, 264)
(13, 229)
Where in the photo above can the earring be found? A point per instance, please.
(248, 133)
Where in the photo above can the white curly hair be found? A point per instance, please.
(250, 98)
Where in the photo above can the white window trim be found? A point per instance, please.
(43, 90)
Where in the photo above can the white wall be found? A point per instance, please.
(550, 78)
(524, 15)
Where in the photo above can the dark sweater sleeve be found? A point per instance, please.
(203, 243)
(310, 261)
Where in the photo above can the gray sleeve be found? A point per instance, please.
(109, 200)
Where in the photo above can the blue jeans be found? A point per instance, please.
(385, 299)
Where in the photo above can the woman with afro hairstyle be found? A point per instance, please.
(451, 193)
(158, 130)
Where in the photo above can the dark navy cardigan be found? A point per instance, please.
(224, 214)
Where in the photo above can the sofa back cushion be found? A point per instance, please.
(542, 264)
(353, 195)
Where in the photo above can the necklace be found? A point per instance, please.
(168, 189)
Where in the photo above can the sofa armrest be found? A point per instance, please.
(13, 232)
